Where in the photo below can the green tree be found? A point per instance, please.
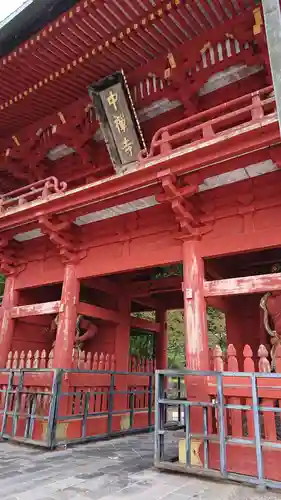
(176, 349)
(216, 328)
(142, 344)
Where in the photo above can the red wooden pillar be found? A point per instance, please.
(10, 299)
(122, 353)
(122, 344)
(196, 337)
(67, 319)
(195, 316)
(161, 341)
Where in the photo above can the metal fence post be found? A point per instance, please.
(131, 407)
(187, 437)
(159, 417)
(258, 446)
(179, 397)
(54, 407)
(150, 386)
(110, 403)
(85, 414)
(17, 406)
(221, 409)
(29, 426)
(7, 401)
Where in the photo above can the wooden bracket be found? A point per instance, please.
(63, 234)
(179, 198)
(10, 263)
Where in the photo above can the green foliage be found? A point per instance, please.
(142, 343)
(216, 328)
(168, 271)
(176, 349)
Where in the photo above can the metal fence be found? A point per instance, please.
(54, 407)
(220, 452)
(28, 401)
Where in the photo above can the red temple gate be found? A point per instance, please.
(88, 227)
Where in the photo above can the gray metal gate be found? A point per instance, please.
(39, 406)
(167, 455)
(29, 405)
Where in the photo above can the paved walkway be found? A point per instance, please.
(116, 470)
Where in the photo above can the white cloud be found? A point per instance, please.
(8, 7)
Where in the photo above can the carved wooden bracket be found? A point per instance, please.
(39, 190)
(179, 197)
(63, 234)
(10, 263)
(26, 160)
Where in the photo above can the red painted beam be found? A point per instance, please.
(103, 284)
(182, 161)
(36, 309)
(244, 285)
(149, 302)
(216, 303)
(145, 324)
(142, 289)
(97, 312)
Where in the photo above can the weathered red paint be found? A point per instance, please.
(10, 299)
(245, 285)
(122, 346)
(35, 309)
(217, 138)
(98, 312)
(161, 340)
(67, 318)
(195, 318)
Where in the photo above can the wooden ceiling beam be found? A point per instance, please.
(128, 34)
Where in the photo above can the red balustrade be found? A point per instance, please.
(237, 391)
(86, 389)
(39, 190)
(209, 124)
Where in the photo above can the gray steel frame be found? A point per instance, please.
(16, 389)
(110, 412)
(162, 402)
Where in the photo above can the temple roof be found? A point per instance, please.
(27, 20)
(93, 39)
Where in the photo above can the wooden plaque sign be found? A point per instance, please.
(118, 120)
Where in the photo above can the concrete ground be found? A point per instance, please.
(115, 470)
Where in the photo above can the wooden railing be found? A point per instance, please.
(238, 391)
(39, 190)
(87, 384)
(81, 360)
(209, 124)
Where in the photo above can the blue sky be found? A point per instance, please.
(7, 7)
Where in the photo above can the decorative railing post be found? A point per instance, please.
(249, 367)
(235, 415)
(268, 416)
